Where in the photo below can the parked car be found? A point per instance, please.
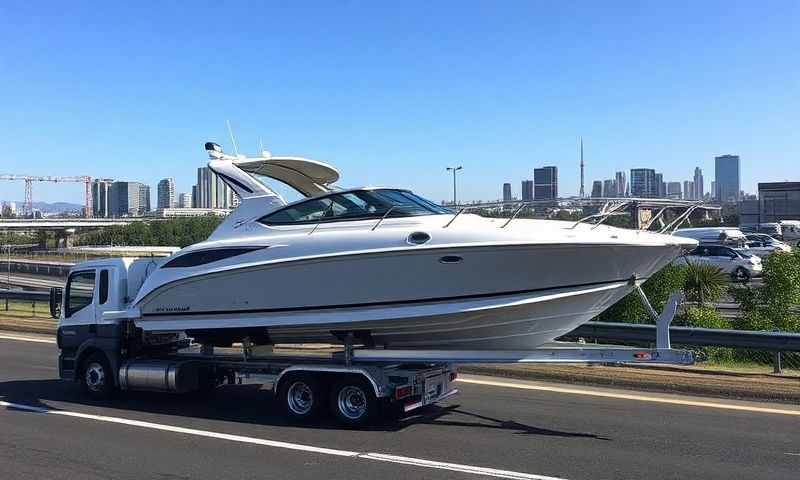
(791, 231)
(729, 236)
(762, 245)
(770, 228)
(741, 266)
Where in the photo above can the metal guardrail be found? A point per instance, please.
(631, 332)
(33, 295)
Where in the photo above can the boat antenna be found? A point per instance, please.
(233, 139)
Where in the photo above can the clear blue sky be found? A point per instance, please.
(392, 92)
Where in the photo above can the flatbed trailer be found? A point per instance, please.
(357, 385)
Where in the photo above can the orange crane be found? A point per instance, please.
(27, 207)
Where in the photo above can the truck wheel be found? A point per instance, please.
(96, 377)
(741, 275)
(353, 402)
(302, 397)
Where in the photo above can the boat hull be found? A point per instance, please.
(499, 297)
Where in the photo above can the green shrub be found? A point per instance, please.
(704, 283)
(768, 307)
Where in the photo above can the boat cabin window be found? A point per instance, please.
(354, 205)
(80, 290)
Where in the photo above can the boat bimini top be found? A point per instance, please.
(239, 172)
(309, 177)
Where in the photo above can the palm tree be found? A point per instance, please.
(704, 283)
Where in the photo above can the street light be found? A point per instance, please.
(454, 170)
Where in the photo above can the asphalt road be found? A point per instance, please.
(47, 430)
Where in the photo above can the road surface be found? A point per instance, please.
(521, 430)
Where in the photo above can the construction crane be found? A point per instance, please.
(27, 208)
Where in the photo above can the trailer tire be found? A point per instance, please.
(353, 402)
(96, 377)
(302, 396)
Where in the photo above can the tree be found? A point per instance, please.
(769, 307)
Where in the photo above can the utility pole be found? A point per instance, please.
(454, 170)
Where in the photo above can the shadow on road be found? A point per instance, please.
(251, 404)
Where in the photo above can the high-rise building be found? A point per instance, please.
(144, 199)
(100, 192)
(597, 189)
(688, 190)
(727, 177)
(194, 196)
(212, 192)
(643, 183)
(507, 192)
(166, 193)
(698, 184)
(610, 188)
(527, 190)
(545, 183)
(674, 190)
(661, 186)
(185, 200)
(127, 199)
(622, 184)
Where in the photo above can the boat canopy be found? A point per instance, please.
(310, 177)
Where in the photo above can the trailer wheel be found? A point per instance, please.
(353, 401)
(96, 377)
(302, 396)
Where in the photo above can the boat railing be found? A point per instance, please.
(608, 207)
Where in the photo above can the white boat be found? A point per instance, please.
(386, 267)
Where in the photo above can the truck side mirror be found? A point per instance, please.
(56, 294)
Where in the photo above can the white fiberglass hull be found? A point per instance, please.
(492, 297)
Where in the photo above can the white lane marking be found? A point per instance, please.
(626, 396)
(795, 454)
(491, 472)
(381, 457)
(26, 339)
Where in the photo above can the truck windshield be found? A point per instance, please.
(355, 205)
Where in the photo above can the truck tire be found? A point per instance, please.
(353, 402)
(302, 397)
(96, 377)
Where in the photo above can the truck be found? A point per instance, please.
(102, 349)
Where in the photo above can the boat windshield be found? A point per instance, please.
(354, 205)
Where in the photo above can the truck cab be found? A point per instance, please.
(90, 310)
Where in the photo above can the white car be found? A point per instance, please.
(762, 245)
(741, 266)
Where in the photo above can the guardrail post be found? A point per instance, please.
(777, 363)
